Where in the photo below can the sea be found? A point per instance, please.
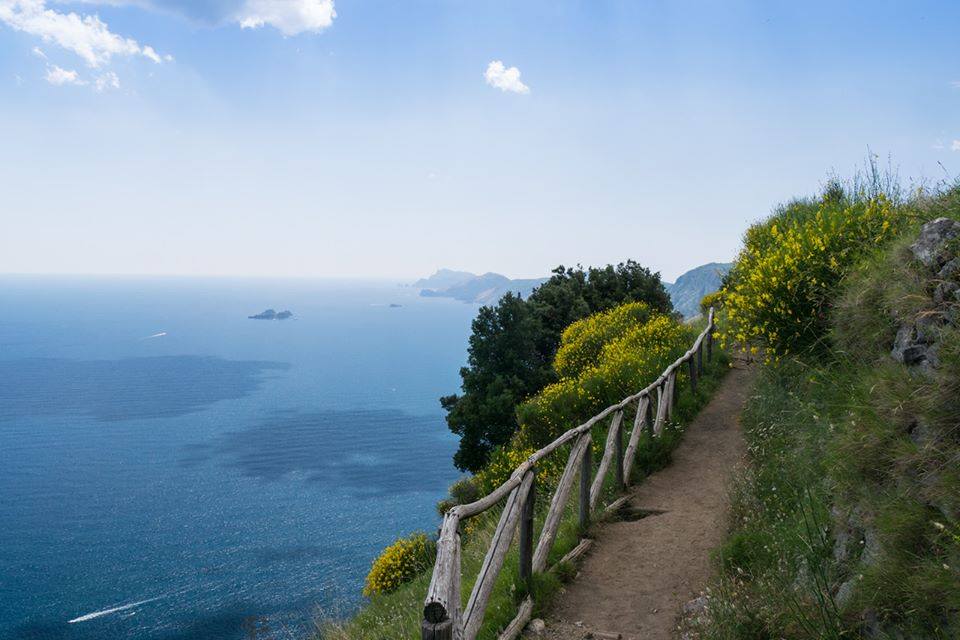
(173, 470)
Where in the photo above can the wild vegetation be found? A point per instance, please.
(512, 345)
(610, 348)
(846, 522)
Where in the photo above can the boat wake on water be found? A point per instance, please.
(106, 612)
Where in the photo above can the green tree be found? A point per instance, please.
(513, 344)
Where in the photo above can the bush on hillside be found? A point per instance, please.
(513, 344)
(630, 351)
(399, 563)
(781, 288)
(582, 342)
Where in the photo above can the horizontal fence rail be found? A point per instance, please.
(442, 617)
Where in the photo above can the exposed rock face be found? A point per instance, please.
(916, 342)
(929, 247)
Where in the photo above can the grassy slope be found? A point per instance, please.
(397, 615)
(847, 521)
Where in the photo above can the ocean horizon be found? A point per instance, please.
(172, 470)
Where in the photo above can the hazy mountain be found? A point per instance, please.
(469, 287)
(689, 288)
(444, 278)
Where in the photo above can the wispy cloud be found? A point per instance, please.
(59, 77)
(85, 35)
(955, 145)
(499, 76)
(106, 81)
(290, 17)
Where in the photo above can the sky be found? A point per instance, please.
(362, 138)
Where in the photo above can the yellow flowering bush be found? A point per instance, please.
(582, 341)
(624, 365)
(399, 563)
(780, 289)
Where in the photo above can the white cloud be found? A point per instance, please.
(955, 84)
(60, 77)
(497, 75)
(108, 80)
(37, 51)
(290, 17)
(87, 36)
(955, 145)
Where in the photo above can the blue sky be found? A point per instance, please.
(295, 137)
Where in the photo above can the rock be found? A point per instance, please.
(928, 248)
(915, 345)
(696, 606)
(537, 627)
(950, 270)
(944, 291)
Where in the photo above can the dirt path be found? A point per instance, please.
(640, 573)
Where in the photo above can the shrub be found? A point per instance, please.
(782, 285)
(399, 563)
(714, 300)
(583, 340)
(625, 365)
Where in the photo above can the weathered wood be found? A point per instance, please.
(526, 529)
(618, 455)
(671, 394)
(639, 424)
(493, 561)
(661, 411)
(608, 452)
(586, 466)
(616, 504)
(443, 595)
(436, 630)
(551, 523)
(710, 336)
(700, 360)
(577, 551)
(519, 622)
(692, 372)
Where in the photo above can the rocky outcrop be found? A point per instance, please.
(916, 341)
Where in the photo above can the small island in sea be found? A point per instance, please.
(270, 314)
(394, 305)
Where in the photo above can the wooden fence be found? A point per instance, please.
(442, 617)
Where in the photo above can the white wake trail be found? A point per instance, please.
(156, 335)
(97, 614)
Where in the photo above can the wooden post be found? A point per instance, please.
(557, 504)
(710, 336)
(608, 454)
(692, 368)
(493, 561)
(618, 457)
(586, 467)
(526, 530)
(441, 610)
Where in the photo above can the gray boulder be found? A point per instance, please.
(929, 247)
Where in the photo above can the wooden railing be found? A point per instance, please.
(442, 617)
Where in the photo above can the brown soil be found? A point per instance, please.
(640, 573)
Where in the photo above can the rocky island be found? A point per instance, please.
(270, 314)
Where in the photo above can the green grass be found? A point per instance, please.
(398, 615)
(845, 522)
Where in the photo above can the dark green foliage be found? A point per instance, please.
(513, 343)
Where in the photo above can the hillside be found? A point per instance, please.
(465, 286)
(690, 288)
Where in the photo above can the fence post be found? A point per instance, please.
(700, 359)
(710, 336)
(618, 458)
(691, 365)
(526, 530)
(586, 466)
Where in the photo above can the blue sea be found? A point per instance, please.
(171, 470)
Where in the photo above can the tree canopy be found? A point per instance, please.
(512, 346)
